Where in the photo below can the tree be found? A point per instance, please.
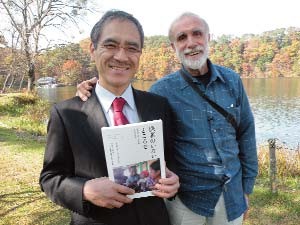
(71, 72)
(281, 65)
(11, 61)
(30, 17)
(50, 63)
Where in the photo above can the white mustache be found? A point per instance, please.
(188, 51)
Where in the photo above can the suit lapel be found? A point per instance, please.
(141, 104)
(95, 119)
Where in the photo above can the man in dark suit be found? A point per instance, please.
(74, 174)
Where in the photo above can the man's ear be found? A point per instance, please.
(173, 47)
(92, 51)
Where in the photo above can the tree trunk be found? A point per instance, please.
(21, 82)
(12, 81)
(6, 81)
(31, 77)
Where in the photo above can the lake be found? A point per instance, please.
(275, 103)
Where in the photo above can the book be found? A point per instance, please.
(135, 155)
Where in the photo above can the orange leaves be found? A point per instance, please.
(71, 65)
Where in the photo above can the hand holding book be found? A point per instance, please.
(135, 158)
(167, 187)
(106, 193)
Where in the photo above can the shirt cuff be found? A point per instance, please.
(248, 185)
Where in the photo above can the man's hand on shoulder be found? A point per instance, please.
(84, 88)
(167, 187)
(106, 193)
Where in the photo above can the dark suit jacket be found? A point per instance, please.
(74, 154)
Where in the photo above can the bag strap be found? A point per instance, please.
(229, 117)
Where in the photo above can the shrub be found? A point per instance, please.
(25, 112)
(25, 99)
(287, 161)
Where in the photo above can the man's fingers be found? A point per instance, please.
(106, 205)
(84, 92)
(122, 198)
(123, 189)
(119, 197)
(93, 81)
(87, 86)
(246, 214)
(166, 191)
(167, 188)
(163, 194)
(83, 89)
(81, 96)
(116, 204)
(171, 178)
(170, 181)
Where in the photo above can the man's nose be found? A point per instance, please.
(121, 54)
(191, 42)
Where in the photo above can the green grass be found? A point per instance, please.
(22, 141)
(21, 200)
(24, 112)
(282, 208)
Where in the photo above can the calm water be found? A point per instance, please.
(275, 103)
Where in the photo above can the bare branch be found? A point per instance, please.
(30, 17)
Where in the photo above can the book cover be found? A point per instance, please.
(135, 155)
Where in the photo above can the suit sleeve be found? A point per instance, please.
(57, 177)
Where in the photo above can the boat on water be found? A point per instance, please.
(47, 82)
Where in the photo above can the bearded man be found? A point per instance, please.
(216, 157)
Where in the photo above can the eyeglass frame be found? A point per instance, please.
(131, 48)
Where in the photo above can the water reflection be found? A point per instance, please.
(57, 94)
(275, 103)
(276, 107)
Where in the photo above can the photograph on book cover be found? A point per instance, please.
(135, 155)
(141, 176)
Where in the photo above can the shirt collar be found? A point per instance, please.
(214, 75)
(106, 97)
(214, 72)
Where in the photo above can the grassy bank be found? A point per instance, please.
(21, 155)
(22, 140)
(21, 200)
(24, 112)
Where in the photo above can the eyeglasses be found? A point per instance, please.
(115, 48)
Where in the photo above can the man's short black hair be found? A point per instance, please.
(112, 15)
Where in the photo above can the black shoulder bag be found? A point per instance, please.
(230, 118)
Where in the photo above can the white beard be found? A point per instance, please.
(193, 64)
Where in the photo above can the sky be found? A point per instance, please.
(230, 17)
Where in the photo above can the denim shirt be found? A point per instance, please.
(212, 156)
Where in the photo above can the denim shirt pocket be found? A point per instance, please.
(235, 110)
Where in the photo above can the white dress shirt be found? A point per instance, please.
(106, 98)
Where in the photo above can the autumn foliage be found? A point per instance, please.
(271, 54)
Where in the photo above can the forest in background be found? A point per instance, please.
(270, 54)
